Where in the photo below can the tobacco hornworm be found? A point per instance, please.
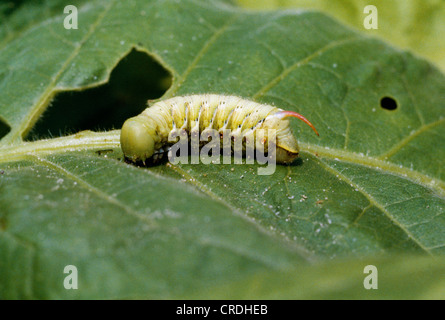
(143, 135)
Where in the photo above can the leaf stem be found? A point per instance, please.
(89, 140)
(84, 140)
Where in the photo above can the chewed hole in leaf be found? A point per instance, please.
(388, 103)
(136, 79)
(4, 128)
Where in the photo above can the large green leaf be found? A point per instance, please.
(371, 184)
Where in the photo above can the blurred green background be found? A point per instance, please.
(416, 25)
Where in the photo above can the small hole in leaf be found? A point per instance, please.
(388, 103)
(136, 79)
(4, 128)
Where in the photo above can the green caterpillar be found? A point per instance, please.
(145, 134)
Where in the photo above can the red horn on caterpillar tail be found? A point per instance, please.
(284, 114)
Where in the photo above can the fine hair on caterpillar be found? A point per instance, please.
(206, 148)
(225, 120)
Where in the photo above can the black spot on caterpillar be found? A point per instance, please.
(144, 135)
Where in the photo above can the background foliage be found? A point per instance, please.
(416, 25)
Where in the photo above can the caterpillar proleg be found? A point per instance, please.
(144, 135)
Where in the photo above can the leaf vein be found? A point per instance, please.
(374, 202)
(300, 63)
(40, 106)
(207, 45)
(81, 182)
(399, 146)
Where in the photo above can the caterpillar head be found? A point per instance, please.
(286, 144)
(137, 139)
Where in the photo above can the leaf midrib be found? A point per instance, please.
(98, 141)
(434, 184)
(89, 140)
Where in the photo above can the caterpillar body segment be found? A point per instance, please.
(147, 133)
